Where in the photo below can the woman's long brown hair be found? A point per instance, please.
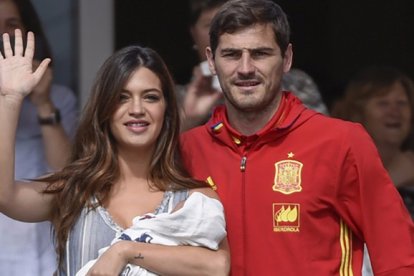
(93, 167)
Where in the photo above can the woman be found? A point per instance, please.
(382, 100)
(123, 161)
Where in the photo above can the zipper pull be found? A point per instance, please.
(243, 163)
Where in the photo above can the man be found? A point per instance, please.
(203, 92)
(302, 192)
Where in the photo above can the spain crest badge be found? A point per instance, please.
(288, 176)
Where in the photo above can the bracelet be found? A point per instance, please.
(52, 119)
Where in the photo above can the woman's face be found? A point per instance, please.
(10, 18)
(139, 117)
(388, 118)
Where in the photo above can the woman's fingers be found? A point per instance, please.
(19, 49)
(6, 46)
(30, 48)
(40, 70)
(18, 43)
(17, 73)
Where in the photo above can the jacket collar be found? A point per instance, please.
(291, 113)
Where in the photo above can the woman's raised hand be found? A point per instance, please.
(17, 78)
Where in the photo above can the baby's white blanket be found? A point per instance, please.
(200, 222)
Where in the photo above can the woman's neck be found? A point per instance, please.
(134, 164)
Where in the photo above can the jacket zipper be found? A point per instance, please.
(243, 163)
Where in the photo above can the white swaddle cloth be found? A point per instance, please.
(200, 222)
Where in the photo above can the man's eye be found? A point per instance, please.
(259, 54)
(231, 55)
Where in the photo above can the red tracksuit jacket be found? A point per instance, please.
(302, 195)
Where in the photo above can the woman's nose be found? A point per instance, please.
(136, 107)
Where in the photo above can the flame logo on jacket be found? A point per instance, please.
(286, 217)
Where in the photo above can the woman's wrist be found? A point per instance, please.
(124, 249)
(12, 101)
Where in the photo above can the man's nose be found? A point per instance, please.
(246, 65)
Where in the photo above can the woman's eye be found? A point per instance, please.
(152, 98)
(402, 103)
(123, 97)
(382, 103)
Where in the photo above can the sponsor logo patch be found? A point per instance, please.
(286, 217)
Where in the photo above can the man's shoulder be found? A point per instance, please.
(331, 122)
(198, 131)
(323, 125)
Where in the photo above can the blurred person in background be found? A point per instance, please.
(304, 87)
(47, 122)
(203, 92)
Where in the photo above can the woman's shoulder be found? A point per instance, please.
(206, 191)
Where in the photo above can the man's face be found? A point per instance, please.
(200, 30)
(249, 65)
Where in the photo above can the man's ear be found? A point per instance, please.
(210, 59)
(288, 58)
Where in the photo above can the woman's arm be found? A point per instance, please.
(166, 260)
(22, 202)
